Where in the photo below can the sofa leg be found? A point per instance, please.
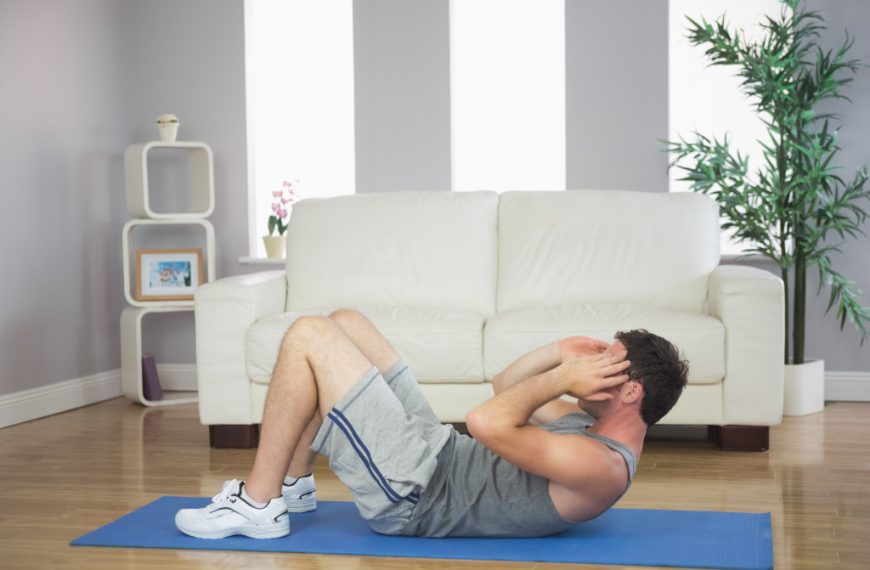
(234, 436)
(741, 438)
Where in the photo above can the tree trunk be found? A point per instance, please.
(800, 300)
(787, 311)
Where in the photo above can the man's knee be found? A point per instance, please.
(306, 326)
(345, 315)
(351, 320)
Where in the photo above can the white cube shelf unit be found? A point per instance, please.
(131, 357)
(201, 168)
(129, 284)
(201, 187)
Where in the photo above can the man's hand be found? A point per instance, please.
(574, 346)
(587, 377)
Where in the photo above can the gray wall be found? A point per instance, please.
(189, 59)
(402, 95)
(402, 83)
(616, 94)
(86, 79)
(65, 111)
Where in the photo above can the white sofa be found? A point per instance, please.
(464, 283)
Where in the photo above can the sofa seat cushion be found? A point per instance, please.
(700, 337)
(440, 345)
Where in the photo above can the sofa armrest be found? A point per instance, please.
(224, 310)
(750, 304)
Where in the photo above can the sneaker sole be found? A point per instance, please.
(251, 532)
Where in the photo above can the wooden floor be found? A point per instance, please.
(68, 474)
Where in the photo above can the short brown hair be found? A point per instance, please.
(656, 364)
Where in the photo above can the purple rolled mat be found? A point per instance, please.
(150, 379)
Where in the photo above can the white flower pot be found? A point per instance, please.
(168, 131)
(274, 246)
(804, 388)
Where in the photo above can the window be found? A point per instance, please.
(507, 60)
(300, 101)
(709, 99)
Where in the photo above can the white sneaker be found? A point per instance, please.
(230, 514)
(300, 495)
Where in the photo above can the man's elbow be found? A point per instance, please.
(482, 426)
(475, 422)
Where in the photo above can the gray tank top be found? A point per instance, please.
(474, 492)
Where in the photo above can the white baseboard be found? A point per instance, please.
(60, 397)
(177, 376)
(68, 395)
(847, 386)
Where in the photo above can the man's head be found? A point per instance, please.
(656, 365)
(657, 377)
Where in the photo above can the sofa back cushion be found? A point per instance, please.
(606, 246)
(394, 249)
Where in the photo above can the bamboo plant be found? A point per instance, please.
(793, 208)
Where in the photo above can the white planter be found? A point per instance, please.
(804, 388)
(168, 131)
(274, 246)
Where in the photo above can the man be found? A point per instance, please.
(340, 389)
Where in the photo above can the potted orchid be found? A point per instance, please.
(282, 201)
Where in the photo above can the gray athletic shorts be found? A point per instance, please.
(382, 440)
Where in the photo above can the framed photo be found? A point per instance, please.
(168, 274)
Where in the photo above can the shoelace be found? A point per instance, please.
(230, 488)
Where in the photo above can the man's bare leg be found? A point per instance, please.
(377, 349)
(317, 364)
(303, 456)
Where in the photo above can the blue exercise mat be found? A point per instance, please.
(620, 536)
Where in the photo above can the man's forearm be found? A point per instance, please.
(535, 362)
(514, 405)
